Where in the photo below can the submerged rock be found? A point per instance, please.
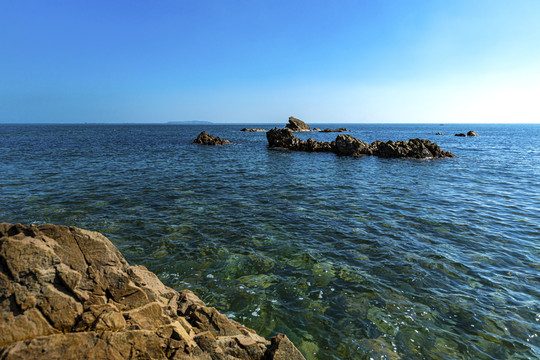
(205, 138)
(347, 145)
(67, 291)
(439, 133)
(297, 125)
(252, 130)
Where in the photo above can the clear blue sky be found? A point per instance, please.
(256, 61)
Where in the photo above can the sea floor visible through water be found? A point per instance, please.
(352, 258)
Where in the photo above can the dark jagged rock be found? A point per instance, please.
(414, 149)
(284, 138)
(65, 291)
(252, 130)
(346, 145)
(334, 130)
(469, 134)
(205, 138)
(439, 133)
(297, 125)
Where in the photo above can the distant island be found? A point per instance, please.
(190, 122)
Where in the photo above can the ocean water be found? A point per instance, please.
(352, 258)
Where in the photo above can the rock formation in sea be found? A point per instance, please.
(68, 292)
(205, 138)
(252, 130)
(297, 125)
(334, 130)
(351, 146)
(469, 134)
(439, 133)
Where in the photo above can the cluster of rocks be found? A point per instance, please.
(205, 138)
(252, 130)
(65, 291)
(351, 146)
(469, 134)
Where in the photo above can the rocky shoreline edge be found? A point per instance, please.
(66, 292)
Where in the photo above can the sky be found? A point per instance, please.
(257, 61)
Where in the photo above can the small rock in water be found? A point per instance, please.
(205, 138)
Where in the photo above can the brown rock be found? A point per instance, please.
(334, 130)
(297, 125)
(350, 146)
(469, 134)
(67, 291)
(205, 138)
(282, 348)
(252, 130)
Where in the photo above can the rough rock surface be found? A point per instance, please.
(205, 138)
(252, 130)
(297, 125)
(346, 145)
(284, 138)
(69, 292)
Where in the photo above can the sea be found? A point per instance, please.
(351, 258)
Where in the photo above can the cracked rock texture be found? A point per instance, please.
(69, 293)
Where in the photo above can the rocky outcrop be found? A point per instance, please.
(469, 134)
(65, 291)
(439, 133)
(205, 138)
(334, 130)
(297, 125)
(285, 139)
(252, 130)
(346, 145)
(413, 149)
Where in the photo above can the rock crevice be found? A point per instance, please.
(65, 290)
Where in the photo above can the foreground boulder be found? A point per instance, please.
(297, 125)
(68, 292)
(205, 138)
(346, 145)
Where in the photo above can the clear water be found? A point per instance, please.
(352, 258)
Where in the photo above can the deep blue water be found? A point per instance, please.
(352, 258)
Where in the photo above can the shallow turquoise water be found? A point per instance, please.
(350, 257)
